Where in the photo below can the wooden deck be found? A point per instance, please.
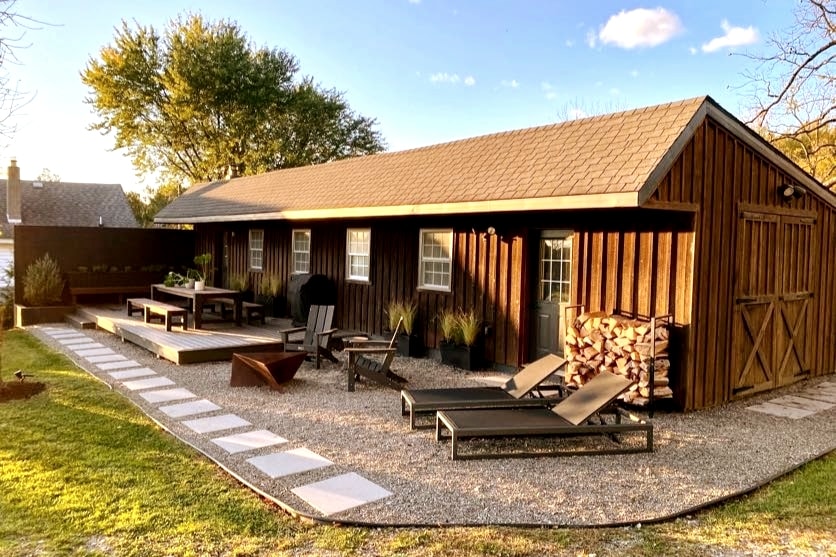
(217, 340)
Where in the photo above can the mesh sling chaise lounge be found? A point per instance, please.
(513, 393)
(579, 414)
(360, 364)
(318, 333)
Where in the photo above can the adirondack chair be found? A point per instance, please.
(362, 362)
(318, 333)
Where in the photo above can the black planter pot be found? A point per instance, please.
(410, 345)
(459, 355)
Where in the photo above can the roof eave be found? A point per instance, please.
(565, 202)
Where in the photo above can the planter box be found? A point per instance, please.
(33, 315)
(459, 355)
(113, 279)
(410, 345)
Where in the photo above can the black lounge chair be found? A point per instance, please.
(370, 359)
(513, 393)
(579, 414)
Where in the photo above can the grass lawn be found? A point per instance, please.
(83, 472)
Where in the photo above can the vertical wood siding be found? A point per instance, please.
(723, 176)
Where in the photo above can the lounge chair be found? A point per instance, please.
(370, 360)
(527, 381)
(579, 414)
(318, 333)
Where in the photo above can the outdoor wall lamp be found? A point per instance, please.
(789, 191)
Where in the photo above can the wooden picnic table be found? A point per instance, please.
(199, 298)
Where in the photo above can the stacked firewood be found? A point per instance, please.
(598, 342)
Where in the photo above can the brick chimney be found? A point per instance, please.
(13, 193)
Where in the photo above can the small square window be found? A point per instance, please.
(358, 249)
(301, 251)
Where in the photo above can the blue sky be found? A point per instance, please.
(430, 71)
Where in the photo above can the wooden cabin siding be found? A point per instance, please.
(486, 274)
(724, 179)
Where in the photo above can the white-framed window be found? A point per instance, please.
(256, 249)
(358, 248)
(436, 259)
(301, 251)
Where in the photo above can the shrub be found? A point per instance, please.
(239, 282)
(42, 284)
(271, 285)
(394, 311)
(409, 311)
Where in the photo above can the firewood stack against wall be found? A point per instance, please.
(598, 341)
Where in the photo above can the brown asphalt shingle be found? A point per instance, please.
(601, 155)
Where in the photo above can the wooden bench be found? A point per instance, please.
(166, 312)
(251, 311)
(137, 305)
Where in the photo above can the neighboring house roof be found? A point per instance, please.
(614, 160)
(68, 204)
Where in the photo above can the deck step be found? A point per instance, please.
(79, 321)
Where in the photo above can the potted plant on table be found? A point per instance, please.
(409, 342)
(460, 346)
(204, 262)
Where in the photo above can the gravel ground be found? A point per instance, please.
(698, 457)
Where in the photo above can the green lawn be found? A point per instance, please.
(83, 472)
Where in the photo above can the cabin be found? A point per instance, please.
(677, 209)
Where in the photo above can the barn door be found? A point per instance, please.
(771, 301)
(793, 315)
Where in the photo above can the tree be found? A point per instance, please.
(199, 103)
(12, 28)
(145, 207)
(793, 89)
(47, 175)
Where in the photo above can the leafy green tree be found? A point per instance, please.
(198, 102)
(145, 207)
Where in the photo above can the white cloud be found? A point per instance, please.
(640, 27)
(734, 36)
(512, 83)
(692, 50)
(444, 77)
(470, 81)
(548, 89)
(414, 1)
(591, 39)
(634, 73)
(576, 113)
(615, 91)
(570, 43)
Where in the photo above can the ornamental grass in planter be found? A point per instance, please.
(269, 294)
(409, 342)
(43, 289)
(461, 345)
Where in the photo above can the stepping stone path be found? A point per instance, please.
(336, 494)
(805, 403)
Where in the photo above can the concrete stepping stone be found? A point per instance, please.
(248, 441)
(803, 403)
(95, 352)
(167, 395)
(215, 423)
(147, 383)
(290, 462)
(86, 346)
(780, 410)
(131, 373)
(340, 493)
(58, 330)
(189, 408)
(67, 334)
(823, 395)
(106, 366)
(106, 358)
(75, 340)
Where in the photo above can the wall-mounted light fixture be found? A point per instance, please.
(789, 191)
(491, 230)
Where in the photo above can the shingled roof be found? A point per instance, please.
(68, 204)
(614, 160)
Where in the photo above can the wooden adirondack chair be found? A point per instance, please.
(318, 333)
(360, 364)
